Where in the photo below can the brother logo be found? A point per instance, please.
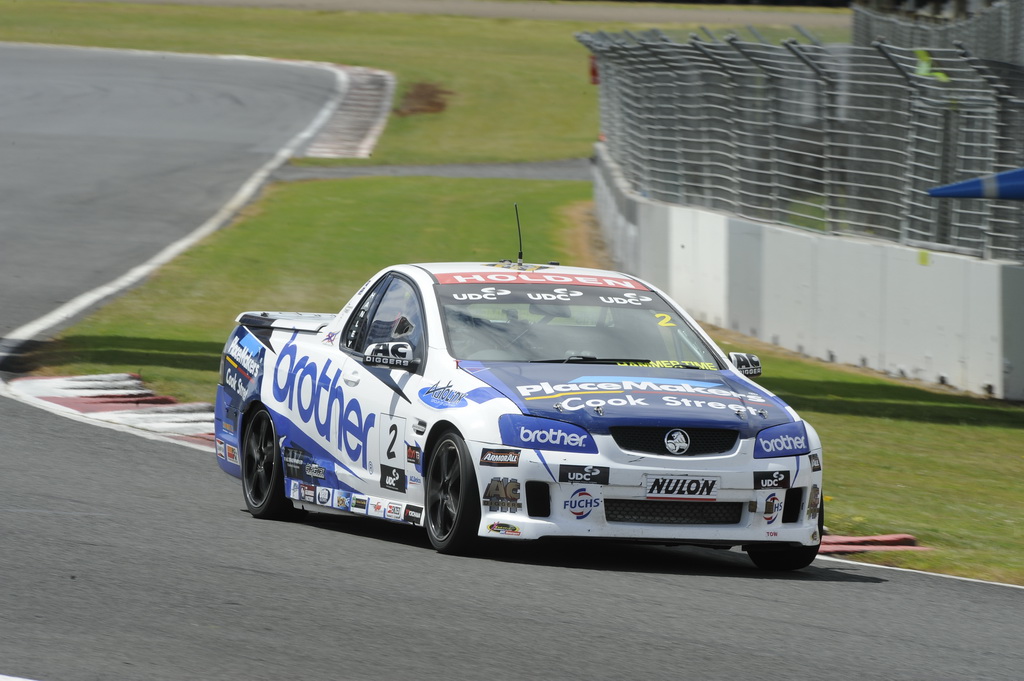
(783, 443)
(537, 433)
(787, 439)
(552, 436)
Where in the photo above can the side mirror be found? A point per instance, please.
(749, 365)
(394, 355)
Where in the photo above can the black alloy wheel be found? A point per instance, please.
(262, 470)
(453, 509)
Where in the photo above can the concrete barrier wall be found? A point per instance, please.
(937, 317)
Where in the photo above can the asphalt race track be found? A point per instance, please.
(109, 156)
(129, 558)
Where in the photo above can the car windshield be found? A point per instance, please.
(585, 324)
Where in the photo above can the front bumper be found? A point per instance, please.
(721, 500)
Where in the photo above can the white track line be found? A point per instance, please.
(920, 572)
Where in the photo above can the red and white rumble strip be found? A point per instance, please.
(120, 400)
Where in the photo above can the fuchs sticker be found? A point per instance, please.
(581, 504)
(788, 439)
(595, 475)
(772, 508)
(443, 396)
(683, 487)
(392, 478)
(771, 480)
(389, 354)
(534, 433)
(499, 457)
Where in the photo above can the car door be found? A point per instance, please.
(386, 337)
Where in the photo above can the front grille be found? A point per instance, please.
(651, 439)
(673, 512)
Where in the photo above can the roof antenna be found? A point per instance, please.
(520, 230)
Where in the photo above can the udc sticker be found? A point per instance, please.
(771, 479)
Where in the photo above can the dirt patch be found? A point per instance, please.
(423, 98)
(583, 240)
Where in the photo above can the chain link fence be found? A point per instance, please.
(840, 138)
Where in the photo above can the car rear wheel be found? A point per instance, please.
(262, 471)
(453, 510)
(786, 559)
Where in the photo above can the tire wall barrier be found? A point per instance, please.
(932, 316)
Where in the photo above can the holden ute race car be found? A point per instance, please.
(517, 402)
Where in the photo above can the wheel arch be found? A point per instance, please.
(247, 413)
(436, 431)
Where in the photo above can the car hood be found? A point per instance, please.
(600, 396)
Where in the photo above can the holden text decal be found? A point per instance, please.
(538, 278)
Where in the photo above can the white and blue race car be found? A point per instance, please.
(517, 402)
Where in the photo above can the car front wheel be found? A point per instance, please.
(453, 510)
(784, 560)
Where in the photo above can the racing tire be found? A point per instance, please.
(452, 506)
(788, 559)
(262, 470)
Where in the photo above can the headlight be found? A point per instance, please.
(789, 439)
(530, 432)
